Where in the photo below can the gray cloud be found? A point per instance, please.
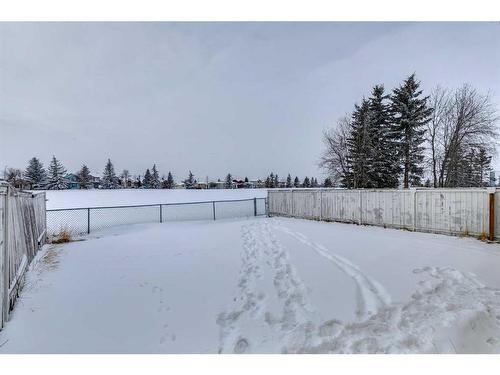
(248, 98)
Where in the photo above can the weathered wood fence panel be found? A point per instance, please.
(448, 211)
(22, 233)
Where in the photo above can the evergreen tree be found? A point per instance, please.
(138, 182)
(246, 180)
(410, 113)
(109, 179)
(84, 178)
(276, 181)
(288, 181)
(147, 180)
(296, 182)
(328, 182)
(268, 184)
(360, 147)
(155, 178)
(385, 168)
(190, 181)
(272, 181)
(483, 167)
(169, 182)
(56, 175)
(35, 174)
(306, 183)
(229, 181)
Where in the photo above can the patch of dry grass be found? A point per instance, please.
(63, 236)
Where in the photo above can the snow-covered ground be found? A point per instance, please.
(57, 199)
(260, 285)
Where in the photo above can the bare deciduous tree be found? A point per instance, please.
(335, 156)
(463, 120)
(440, 102)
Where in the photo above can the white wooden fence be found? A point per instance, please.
(22, 233)
(449, 211)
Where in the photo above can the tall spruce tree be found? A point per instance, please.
(360, 147)
(296, 182)
(328, 182)
(35, 174)
(84, 178)
(147, 180)
(155, 178)
(190, 181)
(483, 167)
(410, 113)
(56, 175)
(267, 183)
(109, 179)
(288, 181)
(306, 183)
(272, 180)
(385, 169)
(169, 182)
(229, 181)
(276, 181)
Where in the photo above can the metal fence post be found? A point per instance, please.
(88, 220)
(213, 207)
(255, 207)
(161, 217)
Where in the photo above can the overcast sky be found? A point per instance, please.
(245, 98)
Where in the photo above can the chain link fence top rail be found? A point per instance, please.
(84, 220)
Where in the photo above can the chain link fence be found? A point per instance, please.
(79, 221)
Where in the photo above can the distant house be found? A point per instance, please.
(238, 184)
(254, 184)
(281, 184)
(218, 184)
(72, 181)
(200, 185)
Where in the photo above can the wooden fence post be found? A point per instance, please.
(360, 207)
(3, 260)
(491, 233)
(321, 204)
(6, 261)
(414, 199)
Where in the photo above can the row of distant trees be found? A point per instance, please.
(35, 176)
(272, 181)
(446, 139)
